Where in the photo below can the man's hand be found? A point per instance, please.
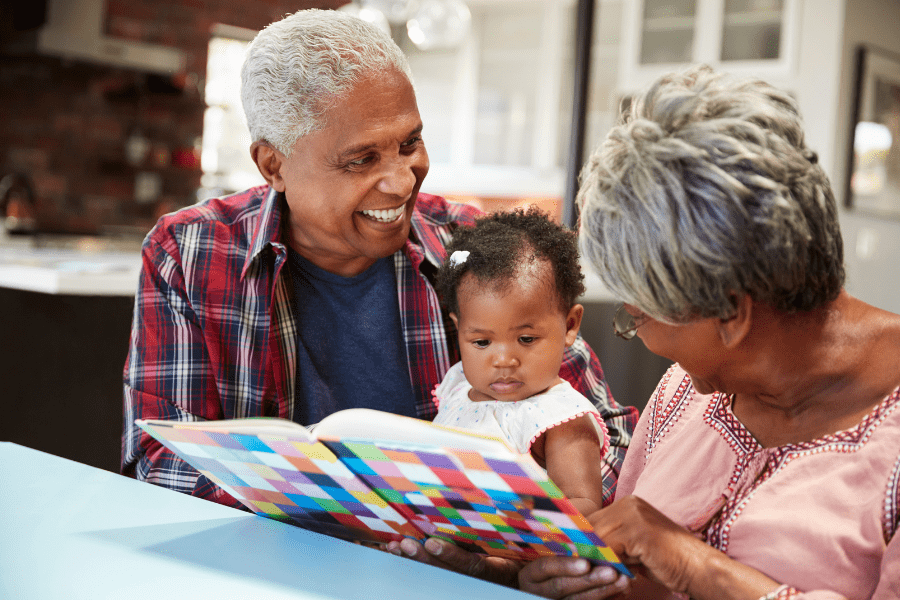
(569, 578)
(446, 555)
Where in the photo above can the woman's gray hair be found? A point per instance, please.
(296, 68)
(705, 191)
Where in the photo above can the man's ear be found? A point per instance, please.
(573, 323)
(734, 329)
(268, 160)
(455, 319)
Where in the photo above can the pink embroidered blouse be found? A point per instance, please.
(820, 516)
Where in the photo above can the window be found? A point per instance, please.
(225, 160)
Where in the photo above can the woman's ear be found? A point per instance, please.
(268, 160)
(734, 329)
(573, 323)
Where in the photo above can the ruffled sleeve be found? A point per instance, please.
(524, 421)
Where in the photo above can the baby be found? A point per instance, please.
(510, 285)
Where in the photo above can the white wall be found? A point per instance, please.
(829, 32)
(818, 70)
(871, 245)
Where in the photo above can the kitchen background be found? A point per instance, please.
(117, 111)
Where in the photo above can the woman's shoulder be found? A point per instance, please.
(674, 395)
(680, 457)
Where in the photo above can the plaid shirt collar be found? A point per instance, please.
(268, 228)
(267, 233)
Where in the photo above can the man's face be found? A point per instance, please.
(351, 187)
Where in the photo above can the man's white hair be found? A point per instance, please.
(298, 67)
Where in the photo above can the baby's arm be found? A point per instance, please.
(572, 453)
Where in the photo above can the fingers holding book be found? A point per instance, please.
(446, 555)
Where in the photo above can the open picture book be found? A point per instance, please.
(371, 476)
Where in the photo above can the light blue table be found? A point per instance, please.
(70, 531)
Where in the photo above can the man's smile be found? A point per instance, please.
(385, 216)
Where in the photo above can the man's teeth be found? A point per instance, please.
(385, 216)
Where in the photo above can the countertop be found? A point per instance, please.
(83, 266)
(71, 531)
(96, 266)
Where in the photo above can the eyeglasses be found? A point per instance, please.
(625, 324)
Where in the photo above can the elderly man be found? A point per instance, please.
(313, 293)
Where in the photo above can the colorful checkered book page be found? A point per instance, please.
(277, 470)
(373, 476)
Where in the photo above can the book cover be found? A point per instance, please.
(371, 476)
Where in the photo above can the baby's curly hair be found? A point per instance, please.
(500, 243)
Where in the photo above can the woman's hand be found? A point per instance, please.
(671, 556)
(569, 578)
(447, 555)
(641, 535)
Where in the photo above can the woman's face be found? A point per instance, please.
(695, 345)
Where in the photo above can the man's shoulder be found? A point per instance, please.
(434, 220)
(436, 211)
(237, 212)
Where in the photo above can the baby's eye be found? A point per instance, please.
(527, 339)
(481, 343)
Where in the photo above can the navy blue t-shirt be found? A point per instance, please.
(350, 348)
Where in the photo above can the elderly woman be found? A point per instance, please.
(767, 463)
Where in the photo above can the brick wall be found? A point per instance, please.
(67, 124)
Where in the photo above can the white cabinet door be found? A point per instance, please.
(753, 37)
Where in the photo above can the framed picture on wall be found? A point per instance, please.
(874, 177)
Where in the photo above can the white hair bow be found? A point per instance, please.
(458, 257)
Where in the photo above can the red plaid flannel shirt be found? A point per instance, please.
(214, 336)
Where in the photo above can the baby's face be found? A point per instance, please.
(512, 339)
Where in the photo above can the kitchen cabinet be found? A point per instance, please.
(75, 30)
(753, 37)
(497, 109)
(66, 318)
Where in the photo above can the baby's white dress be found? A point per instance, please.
(520, 423)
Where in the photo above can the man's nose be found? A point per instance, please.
(399, 177)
